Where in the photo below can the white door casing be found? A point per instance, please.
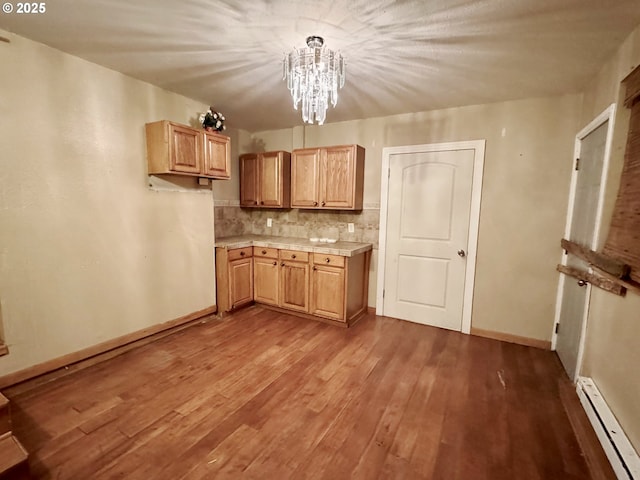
(430, 206)
(584, 217)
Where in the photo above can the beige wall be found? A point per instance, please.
(88, 252)
(525, 190)
(612, 356)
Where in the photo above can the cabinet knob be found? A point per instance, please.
(255, 202)
(315, 204)
(323, 204)
(282, 264)
(275, 263)
(293, 256)
(315, 268)
(261, 203)
(327, 259)
(242, 254)
(264, 252)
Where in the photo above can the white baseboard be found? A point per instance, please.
(624, 459)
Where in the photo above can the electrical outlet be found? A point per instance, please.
(351, 227)
(269, 222)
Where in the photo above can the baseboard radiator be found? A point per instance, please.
(624, 459)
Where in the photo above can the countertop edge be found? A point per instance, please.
(344, 249)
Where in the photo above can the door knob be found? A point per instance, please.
(581, 283)
(462, 253)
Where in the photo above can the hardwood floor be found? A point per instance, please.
(266, 395)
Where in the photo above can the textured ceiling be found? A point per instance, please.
(402, 56)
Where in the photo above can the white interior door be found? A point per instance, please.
(426, 244)
(583, 220)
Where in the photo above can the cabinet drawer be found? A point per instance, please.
(294, 255)
(237, 253)
(265, 252)
(326, 259)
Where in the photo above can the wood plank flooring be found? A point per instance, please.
(266, 395)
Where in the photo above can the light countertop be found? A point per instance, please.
(345, 249)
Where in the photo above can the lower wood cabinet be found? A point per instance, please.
(266, 276)
(331, 287)
(294, 280)
(234, 272)
(327, 292)
(339, 286)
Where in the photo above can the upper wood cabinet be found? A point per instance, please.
(217, 155)
(328, 177)
(265, 179)
(305, 178)
(179, 149)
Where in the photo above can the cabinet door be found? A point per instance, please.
(327, 292)
(185, 149)
(294, 285)
(217, 155)
(240, 282)
(337, 184)
(249, 180)
(266, 280)
(305, 178)
(270, 178)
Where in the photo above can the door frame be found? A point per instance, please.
(607, 115)
(478, 146)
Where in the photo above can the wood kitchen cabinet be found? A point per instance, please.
(265, 180)
(328, 177)
(217, 155)
(234, 270)
(266, 275)
(294, 280)
(179, 149)
(328, 287)
(339, 286)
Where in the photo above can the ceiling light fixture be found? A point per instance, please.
(313, 74)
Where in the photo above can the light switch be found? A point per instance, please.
(351, 227)
(269, 222)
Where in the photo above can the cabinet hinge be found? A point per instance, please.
(577, 164)
(557, 327)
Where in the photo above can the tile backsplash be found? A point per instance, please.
(233, 220)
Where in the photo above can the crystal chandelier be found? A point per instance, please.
(313, 74)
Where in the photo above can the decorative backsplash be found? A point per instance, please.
(233, 220)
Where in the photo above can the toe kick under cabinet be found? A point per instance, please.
(317, 285)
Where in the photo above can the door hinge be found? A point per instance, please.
(557, 327)
(389, 173)
(383, 293)
(577, 164)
